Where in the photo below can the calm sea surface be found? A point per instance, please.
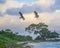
(46, 45)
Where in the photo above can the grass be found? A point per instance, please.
(3, 38)
(5, 41)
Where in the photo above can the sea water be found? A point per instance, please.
(46, 45)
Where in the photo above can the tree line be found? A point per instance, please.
(42, 30)
(14, 36)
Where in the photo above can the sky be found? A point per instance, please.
(48, 11)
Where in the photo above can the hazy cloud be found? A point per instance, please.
(48, 10)
(1, 14)
(16, 24)
(24, 9)
(46, 3)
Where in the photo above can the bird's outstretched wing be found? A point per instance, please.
(21, 16)
(36, 14)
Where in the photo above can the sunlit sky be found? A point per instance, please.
(48, 10)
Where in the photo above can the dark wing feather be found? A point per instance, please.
(21, 16)
(36, 14)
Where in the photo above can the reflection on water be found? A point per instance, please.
(46, 45)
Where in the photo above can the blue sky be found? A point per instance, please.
(48, 10)
(2, 1)
(26, 1)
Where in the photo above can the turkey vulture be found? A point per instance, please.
(21, 16)
(36, 14)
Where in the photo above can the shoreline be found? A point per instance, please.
(37, 41)
(46, 40)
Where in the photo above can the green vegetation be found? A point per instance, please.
(2, 44)
(8, 38)
(42, 30)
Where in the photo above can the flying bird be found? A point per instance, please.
(36, 14)
(21, 16)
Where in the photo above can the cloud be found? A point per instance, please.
(57, 2)
(23, 9)
(10, 4)
(57, 5)
(2, 1)
(12, 11)
(18, 25)
(48, 10)
(12, 7)
(42, 3)
(39, 6)
(55, 23)
(1, 14)
(46, 3)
